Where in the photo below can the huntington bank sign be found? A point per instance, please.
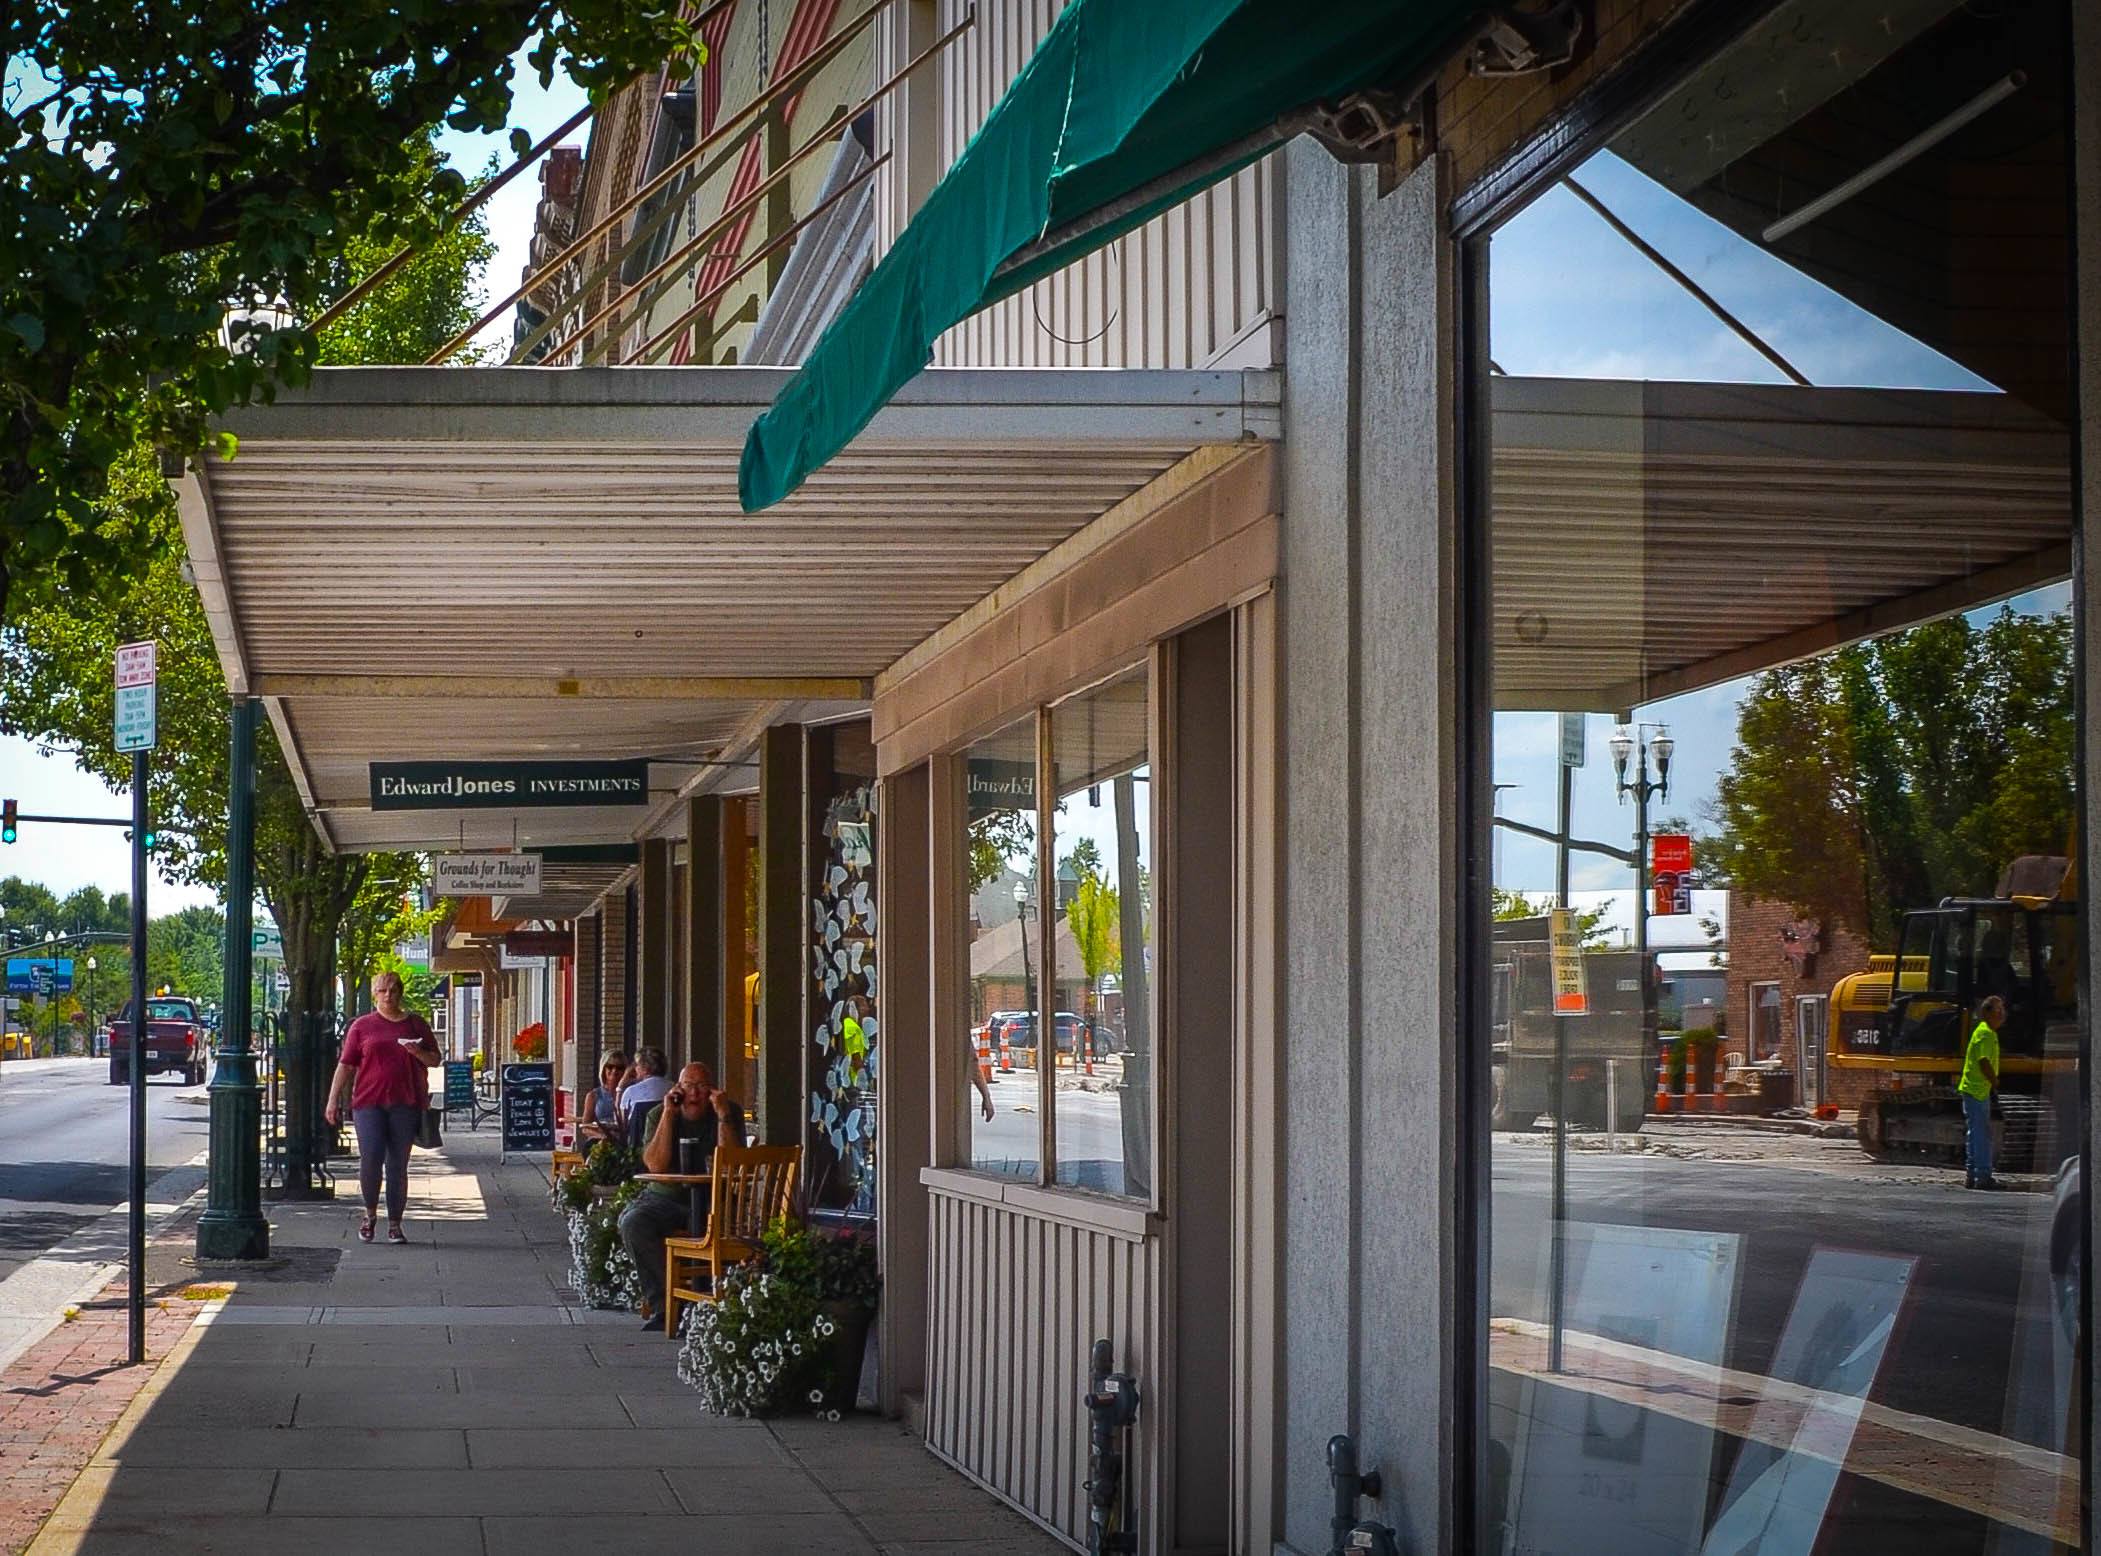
(507, 785)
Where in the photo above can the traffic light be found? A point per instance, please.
(8, 829)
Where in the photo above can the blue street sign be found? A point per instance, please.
(25, 974)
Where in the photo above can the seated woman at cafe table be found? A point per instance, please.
(599, 1117)
(692, 1110)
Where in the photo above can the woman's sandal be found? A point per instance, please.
(365, 1228)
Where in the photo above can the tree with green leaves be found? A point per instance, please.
(1896, 772)
(161, 160)
(1507, 905)
(55, 677)
(1095, 918)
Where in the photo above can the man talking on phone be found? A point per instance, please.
(692, 1110)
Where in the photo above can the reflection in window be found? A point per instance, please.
(1002, 905)
(1102, 837)
(1704, 1336)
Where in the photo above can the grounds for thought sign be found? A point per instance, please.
(485, 875)
(507, 785)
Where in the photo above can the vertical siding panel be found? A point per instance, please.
(959, 1361)
(1050, 1238)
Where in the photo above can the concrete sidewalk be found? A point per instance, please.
(449, 1397)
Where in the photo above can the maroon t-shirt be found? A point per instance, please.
(388, 1075)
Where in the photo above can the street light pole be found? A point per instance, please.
(1635, 746)
(1028, 971)
(232, 1226)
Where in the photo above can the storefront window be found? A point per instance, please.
(1783, 701)
(1102, 838)
(1002, 905)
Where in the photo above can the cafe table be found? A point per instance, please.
(695, 1184)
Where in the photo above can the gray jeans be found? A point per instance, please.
(643, 1227)
(384, 1136)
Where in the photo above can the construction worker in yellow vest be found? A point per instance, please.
(1980, 1078)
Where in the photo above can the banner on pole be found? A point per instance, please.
(1571, 991)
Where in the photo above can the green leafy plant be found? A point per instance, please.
(161, 162)
(771, 1338)
(600, 1269)
(609, 1163)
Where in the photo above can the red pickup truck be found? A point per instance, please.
(176, 1039)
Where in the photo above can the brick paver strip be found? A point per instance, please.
(61, 1397)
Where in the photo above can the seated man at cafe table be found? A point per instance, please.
(692, 1110)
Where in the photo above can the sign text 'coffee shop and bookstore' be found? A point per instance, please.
(507, 785)
(485, 875)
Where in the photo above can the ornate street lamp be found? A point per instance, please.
(243, 326)
(1636, 748)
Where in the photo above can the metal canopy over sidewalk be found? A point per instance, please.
(1737, 527)
(412, 563)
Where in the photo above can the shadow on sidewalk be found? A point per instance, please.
(448, 1397)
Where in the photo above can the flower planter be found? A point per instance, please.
(848, 1347)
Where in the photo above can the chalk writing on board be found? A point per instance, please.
(528, 1107)
(459, 1083)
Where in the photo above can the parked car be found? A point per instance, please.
(176, 1039)
(1020, 1032)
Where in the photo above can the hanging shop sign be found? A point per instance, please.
(991, 785)
(1571, 992)
(507, 785)
(539, 943)
(485, 875)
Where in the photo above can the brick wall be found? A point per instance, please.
(588, 1005)
(1758, 955)
(612, 968)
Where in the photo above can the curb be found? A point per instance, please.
(67, 1525)
(1819, 1128)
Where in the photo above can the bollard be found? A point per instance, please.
(1612, 1105)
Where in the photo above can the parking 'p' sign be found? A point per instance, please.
(137, 710)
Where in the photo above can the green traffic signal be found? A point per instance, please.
(8, 829)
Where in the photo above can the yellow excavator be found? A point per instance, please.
(2023, 945)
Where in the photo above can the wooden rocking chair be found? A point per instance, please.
(754, 1186)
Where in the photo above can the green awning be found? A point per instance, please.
(1121, 95)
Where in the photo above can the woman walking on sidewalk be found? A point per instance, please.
(382, 1070)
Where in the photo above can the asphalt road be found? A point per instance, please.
(65, 1146)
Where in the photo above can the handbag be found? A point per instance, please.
(427, 1134)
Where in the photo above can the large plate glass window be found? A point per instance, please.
(1002, 904)
(1102, 827)
(1784, 1029)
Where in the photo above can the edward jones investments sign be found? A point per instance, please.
(507, 785)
